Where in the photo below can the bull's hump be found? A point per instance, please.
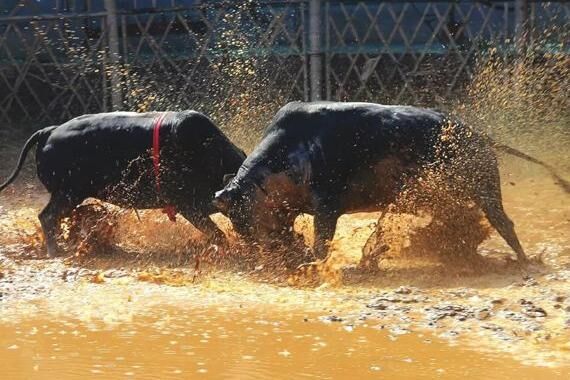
(303, 119)
(358, 108)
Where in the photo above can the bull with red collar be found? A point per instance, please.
(169, 160)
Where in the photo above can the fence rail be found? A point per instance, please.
(57, 62)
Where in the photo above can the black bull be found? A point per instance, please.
(329, 159)
(108, 156)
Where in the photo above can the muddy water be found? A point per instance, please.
(113, 317)
(236, 343)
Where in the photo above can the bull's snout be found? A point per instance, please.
(221, 201)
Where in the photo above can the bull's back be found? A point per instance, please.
(92, 150)
(89, 133)
(368, 128)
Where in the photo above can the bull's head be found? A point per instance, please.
(262, 212)
(269, 190)
(235, 202)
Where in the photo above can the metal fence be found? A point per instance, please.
(67, 58)
(409, 51)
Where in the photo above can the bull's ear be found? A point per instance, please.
(227, 178)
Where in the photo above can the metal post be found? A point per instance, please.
(114, 56)
(521, 25)
(315, 50)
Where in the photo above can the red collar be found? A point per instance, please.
(169, 210)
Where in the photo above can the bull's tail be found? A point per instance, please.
(33, 140)
(565, 185)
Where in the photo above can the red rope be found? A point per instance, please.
(169, 210)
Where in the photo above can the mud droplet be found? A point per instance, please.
(98, 278)
(284, 353)
(332, 318)
(482, 314)
(403, 290)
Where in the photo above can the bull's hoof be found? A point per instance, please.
(368, 265)
(370, 260)
(53, 251)
(308, 274)
(354, 274)
(317, 273)
(523, 260)
(522, 266)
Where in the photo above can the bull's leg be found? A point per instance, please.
(285, 233)
(203, 222)
(327, 212)
(325, 226)
(374, 247)
(504, 226)
(489, 198)
(50, 217)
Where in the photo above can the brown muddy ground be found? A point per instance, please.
(140, 309)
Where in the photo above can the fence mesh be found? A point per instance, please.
(210, 55)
